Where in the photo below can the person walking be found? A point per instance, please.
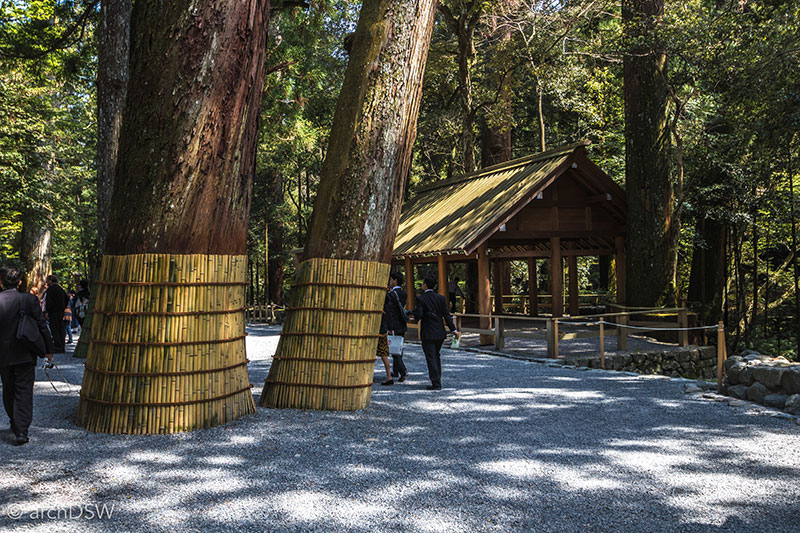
(55, 301)
(431, 312)
(394, 320)
(80, 303)
(68, 319)
(17, 362)
(453, 290)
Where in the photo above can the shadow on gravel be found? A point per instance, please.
(506, 445)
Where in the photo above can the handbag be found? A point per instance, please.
(396, 344)
(28, 331)
(403, 313)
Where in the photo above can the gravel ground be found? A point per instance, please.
(508, 445)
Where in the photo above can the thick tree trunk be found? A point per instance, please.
(651, 237)
(324, 361)
(166, 346)
(185, 165)
(361, 186)
(35, 251)
(112, 83)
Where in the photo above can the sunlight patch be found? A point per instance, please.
(314, 506)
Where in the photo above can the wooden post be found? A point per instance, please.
(533, 288)
(442, 267)
(602, 343)
(551, 350)
(556, 277)
(498, 288)
(720, 354)
(574, 304)
(499, 335)
(412, 295)
(622, 333)
(619, 260)
(683, 322)
(484, 293)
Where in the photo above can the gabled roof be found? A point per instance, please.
(457, 215)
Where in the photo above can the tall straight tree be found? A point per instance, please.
(166, 348)
(113, 36)
(652, 236)
(327, 348)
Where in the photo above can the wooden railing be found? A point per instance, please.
(623, 322)
(264, 314)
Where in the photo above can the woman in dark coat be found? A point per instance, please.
(17, 363)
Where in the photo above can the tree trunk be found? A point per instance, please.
(355, 218)
(112, 83)
(706, 279)
(651, 238)
(463, 25)
(166, 346)
(36, 251)
(795, 273)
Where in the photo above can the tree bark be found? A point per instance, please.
(358, 203)
(463, 25)
(36, 251)
(651, 237)
(172, 281)
(323, 362)
(707, 275)
(185, 165)
(112, 83)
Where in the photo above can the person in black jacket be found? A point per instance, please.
(55, 301)
(431, 310)
(17, 363)
(393, 322)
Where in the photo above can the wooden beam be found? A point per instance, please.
(412, 295)
(619, 260)
(572, 261)
(556, 277)
(564, 234)
(498, 288)
(484, 292)
(442, 266)
(525, 254)
(533, 289)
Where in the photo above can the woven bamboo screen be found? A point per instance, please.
(326, 354)
(167, 345)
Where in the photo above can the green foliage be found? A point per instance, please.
(47, 130)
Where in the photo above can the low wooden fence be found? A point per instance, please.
(622, 322)
(262, 314)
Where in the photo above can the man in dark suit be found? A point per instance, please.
(431, 312)
(17, 363)
(55, 301)
(393, 320)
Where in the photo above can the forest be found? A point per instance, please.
(717, 98)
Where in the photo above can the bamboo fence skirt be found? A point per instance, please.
(326, 354)
(167, 348)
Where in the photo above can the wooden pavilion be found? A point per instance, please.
(552, 205)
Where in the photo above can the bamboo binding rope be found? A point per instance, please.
(326, 354)
(166, 345)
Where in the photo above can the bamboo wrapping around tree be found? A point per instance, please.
(326, 354)
(167, 345)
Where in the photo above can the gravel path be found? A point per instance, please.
(508, 445)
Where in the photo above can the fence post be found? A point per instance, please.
(622, 333)
(602, 342)
(550, 347)
(499, 337)
(721, 349)
(683, 322)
